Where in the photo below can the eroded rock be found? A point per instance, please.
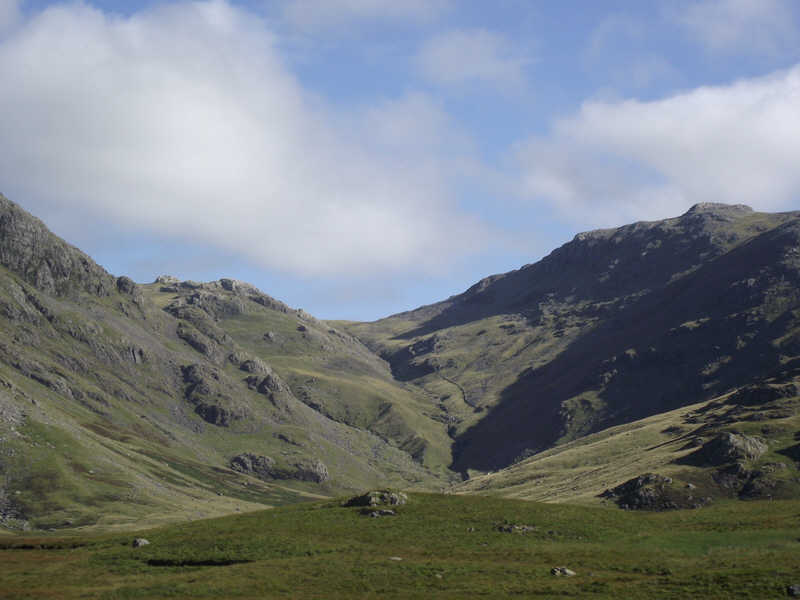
(266, 468)
(729, 447)
(653, 492)
(378, 498)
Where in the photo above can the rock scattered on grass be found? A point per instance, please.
(139, 542)
(514, 528)
(726, 448)
(378, 498)
(265, 467)
(653, 492)
(793, 591)
(562, 572)
(379, 513)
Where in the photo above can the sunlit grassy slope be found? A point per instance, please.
(436, 546)
(579, 471)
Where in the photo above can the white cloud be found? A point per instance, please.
(323, 14)
(742, 26)
(617, 51)
(183, 121)
(614, 29)
(9, 14)
(613, 162)
(473, 56)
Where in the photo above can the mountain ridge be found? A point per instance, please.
(634, 284)
(123, 401)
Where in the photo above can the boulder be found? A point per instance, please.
(311, 470)
(761, 393)
(254, 365)
(266, 468)
(386, 512)
(653, 492)
(727, 448)
(139, 542)
(378, 498)
(167, 279)
(260, 466)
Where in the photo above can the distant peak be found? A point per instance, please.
(718, 208)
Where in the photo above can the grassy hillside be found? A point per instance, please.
(666, 444)
(435, 546)
(123, 404)
(615, 326)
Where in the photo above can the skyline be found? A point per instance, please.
(357, 158)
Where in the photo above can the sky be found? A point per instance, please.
(357, 158)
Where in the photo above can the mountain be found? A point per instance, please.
(671, 345)
(614, 326)
(123, 403)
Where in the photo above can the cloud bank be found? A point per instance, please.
(742, 26)
(318, 15)
(613, 162)
(470, 56)
(9, 14)
(184, 121)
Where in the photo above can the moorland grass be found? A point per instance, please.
(449, 546)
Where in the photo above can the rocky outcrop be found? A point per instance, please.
(219, 299)
(378, 498)
(206, 392)
(759, 394)
(653, 492)
(728, 448)
(266, 468)
(252, 464)
(201, 320)
(310, 470)
(199, 341)
(28, 248)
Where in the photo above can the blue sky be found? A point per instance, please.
(361, 157)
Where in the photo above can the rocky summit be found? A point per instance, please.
(127, 403)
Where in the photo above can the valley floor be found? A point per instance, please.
(436, 545)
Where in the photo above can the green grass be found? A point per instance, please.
(449, 546)
(580, 470)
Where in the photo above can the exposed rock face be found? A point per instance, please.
(758, 394)
(729, 447)
(126, 285)
(259, 466)
(311, 470)
(255, 365)
(29, 249)
(652, 492)
(266, 468)
(206, 392)
(378, 498)
(197, 340)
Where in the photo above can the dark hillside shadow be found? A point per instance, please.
(597, 267)
(735, 293)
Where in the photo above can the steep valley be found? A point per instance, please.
(623, 352)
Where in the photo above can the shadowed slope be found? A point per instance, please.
(613, 326)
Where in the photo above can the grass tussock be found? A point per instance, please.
(436, 545)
